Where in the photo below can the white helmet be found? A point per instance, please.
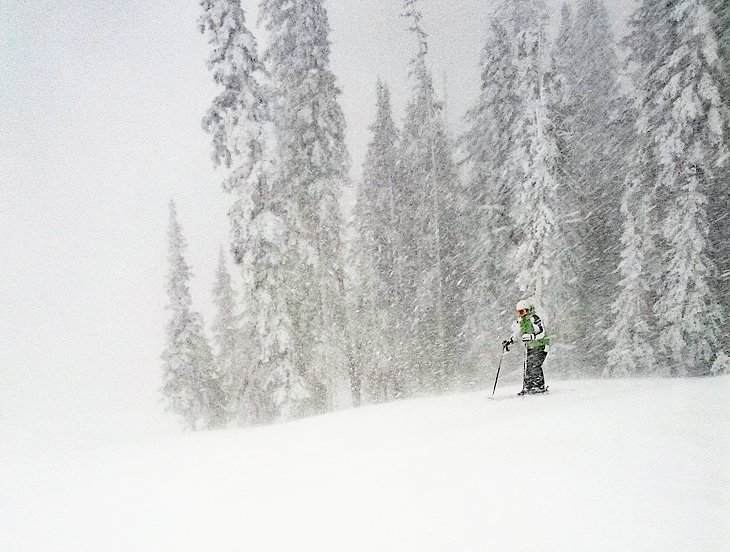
(523, 307)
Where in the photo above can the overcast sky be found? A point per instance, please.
(100, 108)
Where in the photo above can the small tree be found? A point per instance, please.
(630, 338)
(191, 384)
(232, 362)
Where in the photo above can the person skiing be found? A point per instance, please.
(531, 331)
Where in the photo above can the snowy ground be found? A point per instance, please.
(640, 465)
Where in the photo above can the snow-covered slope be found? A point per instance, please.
(638, 465)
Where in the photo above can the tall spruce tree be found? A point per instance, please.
(429, 207)
(632, 342)
(593, 135)
(377, 324)
(486, 144)
(689, 116)
(191, 383)
(244, 138)
(681, 150)
(313, 163)
(235, 115)
(541, 261)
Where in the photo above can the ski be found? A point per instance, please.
(526, 392)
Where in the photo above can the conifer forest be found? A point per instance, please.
(592, 177)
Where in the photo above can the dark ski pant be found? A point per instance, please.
(534, 376)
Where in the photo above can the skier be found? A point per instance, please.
(530, 330)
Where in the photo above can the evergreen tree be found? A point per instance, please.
(688, 113)
(486, 144)
(680, 133)
(313, 168)
(377, 324)
(269, 386)
(230, 360)
(632, 335)
(541, 260)
(630, 338)
(593, 135)
(191, 384)
(430, 205)
(235, 116)
(277, 389)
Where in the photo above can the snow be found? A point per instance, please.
(620, 465)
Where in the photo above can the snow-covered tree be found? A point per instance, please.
(681, 152)
(562, 72)
(688, 114)
(191, 383)
(277, 389)
(235, 115)
(593, 134)
(688, 312)
(429, 207)
(376, 323)
(313, 165)
(632, 335)
(244, 138)
(486, 145)
(541, 260)
(228, 340)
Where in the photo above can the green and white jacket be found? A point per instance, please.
(531, 331)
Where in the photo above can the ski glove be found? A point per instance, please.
(527, 337)
(506, 344)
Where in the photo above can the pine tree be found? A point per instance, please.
(270, 386)
(593, 135)
(377, 324)
(429, 223)
(632, 337)
(541, 260)
(632, 334)
(235, 116)
(313, 169)
(191, 384)
(689, 114)
(277, 389)
(486, 145)
(681, 150)
(229, 357)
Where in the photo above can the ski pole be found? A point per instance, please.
(524, 370)
(499, 367)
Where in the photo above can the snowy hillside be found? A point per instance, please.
(595, 465)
